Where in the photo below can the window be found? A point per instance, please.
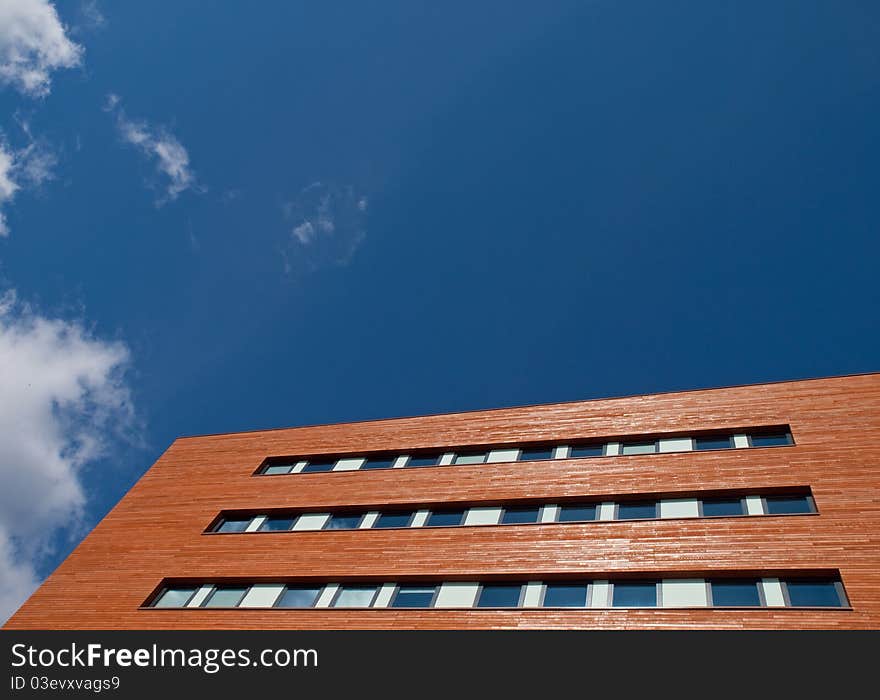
(398, 519)
(355, 597)
(278, 469)
(638, 448)
(233, 525)
(277, 523)
(785, 505)
(470, 458)
(565, 595)
(520, 515)
(535, 454)
(505, 595)
(727, 593)
(225, 597)
(577, 512)
(636, 510)
(713, 443)
(634, 594)
(413, 597)
(813, 593)
(594, 450)
(342, 521)
(445, 518)
(770, 439)
(298, 597)
(378, 463)
(318, 465)
(174, 598)
(424, 460)
(713, 507)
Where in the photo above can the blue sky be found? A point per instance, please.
(300, 213)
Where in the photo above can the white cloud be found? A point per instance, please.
(30, 166)
(159, 145)
(63, 398)
(8, 186)
(328, 226)
(33, 44)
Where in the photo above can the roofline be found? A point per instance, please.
(529, 405)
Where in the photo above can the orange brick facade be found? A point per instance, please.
(157, 531)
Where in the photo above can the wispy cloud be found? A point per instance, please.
(327, 226)
(33, 44)
(65, 399)
(159, 145)
(26, 167)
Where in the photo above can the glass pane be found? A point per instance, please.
(277, 523)
(413, 597)
(319, 466)
(636, 510)
(512, 516)
(343, 522)
(635, 594)
(298, 597)
(278, 469)
(780, 505)
(722, 506)
(394, 519)
(576, 513)
(425, 460)
(226, 597)
(535, 454)
(714, 443)
(813, 593)
(355, 597)
(587, 451)
(638, 448)
(565, 595)
(470, 458)
(499, 596)
(445, 518)
(379, 463)
(735, 592)
(770, 439)
(174, 598)
(236, 525)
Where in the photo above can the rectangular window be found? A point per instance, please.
(445, 518)
(299, 597)
(577, 512)
(634, 594)
(732, 593)
(814, 593)
(278, 469)
(505, 595)
(587, 450)
(233, 525)
(225, 597)
(636, 510)
(770, 439)
(379, 463)
(535, 454)
(424, 460)
(716, 507)
(319, 465)
(174, 597)
(344, 521)
(565, 595)
(470, 458)
(413, 597)
(394, 519)
(277, 523)
(355, 597)
(520, 515)
(714, 443)
(785, 505)
(638, 448)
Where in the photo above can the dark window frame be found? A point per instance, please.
(431, 604)
(341, 587)
(742, 503)
(658, 594)
(343, 514)
(519, 602)
(710, 596)
(214, 588)
(409, 524)
(811, 503)
(617, 505)
(506, 509)
(588, 600)
(162, 591)
(842, 598)
(534, 448)
(559, 506)
(321, 588)
(655, 442)
(764, 433)
(431, 511)
(471, 453)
